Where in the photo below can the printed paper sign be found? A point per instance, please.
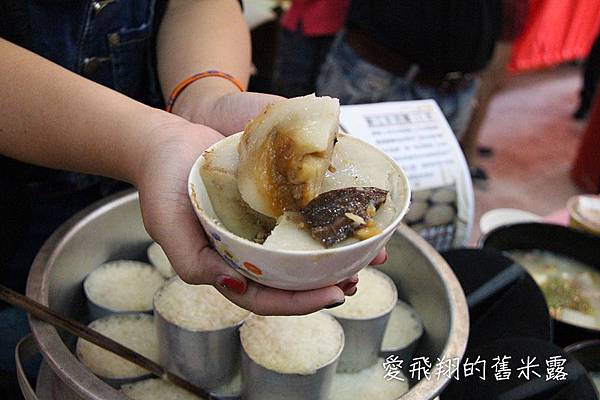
(417, 136)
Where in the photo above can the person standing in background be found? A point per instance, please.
(308, 29)
(492, 78)
(591, 75)
(410, 50)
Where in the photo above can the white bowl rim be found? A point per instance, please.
(360, 244)
(498, 217)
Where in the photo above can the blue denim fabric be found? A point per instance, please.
(108, 42)
(116, 33)
(355, 81)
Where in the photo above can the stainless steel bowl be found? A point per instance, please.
(112, 229)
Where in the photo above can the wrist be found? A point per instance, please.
(197, 101)
(152, 130)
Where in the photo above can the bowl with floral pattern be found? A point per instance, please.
(284, 253)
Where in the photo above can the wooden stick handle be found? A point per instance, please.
(76, 328)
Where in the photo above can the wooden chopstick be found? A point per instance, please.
(42, 312)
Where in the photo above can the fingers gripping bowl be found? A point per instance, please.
(287, 256)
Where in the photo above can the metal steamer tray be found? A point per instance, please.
(112, 229)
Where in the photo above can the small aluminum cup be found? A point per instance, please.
(97, 311)
(231, 390)
(260, 383)
(364, 337)
(116, 382)
(406, 352)
(206, 358)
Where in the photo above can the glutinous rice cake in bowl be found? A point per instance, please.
(293, 203)
(135, 331)
(121, 286)
(367, 311)
(198, 332)
(291, 357)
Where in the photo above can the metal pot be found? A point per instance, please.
(112, 229)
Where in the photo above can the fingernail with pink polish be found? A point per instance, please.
(232, 284)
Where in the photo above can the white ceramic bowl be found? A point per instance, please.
(505, 216)
(294, 269)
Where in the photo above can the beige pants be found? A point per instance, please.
(492, 80)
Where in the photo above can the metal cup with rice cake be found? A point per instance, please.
(371, 383)
(198, 332)
(402, 334)
(231, 390)
(135, 331)
(292, 191)
(156, 389)
(367, 311)
(293, 357)
(121, 286)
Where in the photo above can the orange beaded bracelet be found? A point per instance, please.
(186, 82)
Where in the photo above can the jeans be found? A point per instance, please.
(355, 81)
(299, 58)
(109, 42)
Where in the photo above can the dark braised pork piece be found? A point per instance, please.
(338, 214)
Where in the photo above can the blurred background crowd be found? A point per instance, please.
(458, 53)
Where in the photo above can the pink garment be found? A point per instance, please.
(316, 17)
